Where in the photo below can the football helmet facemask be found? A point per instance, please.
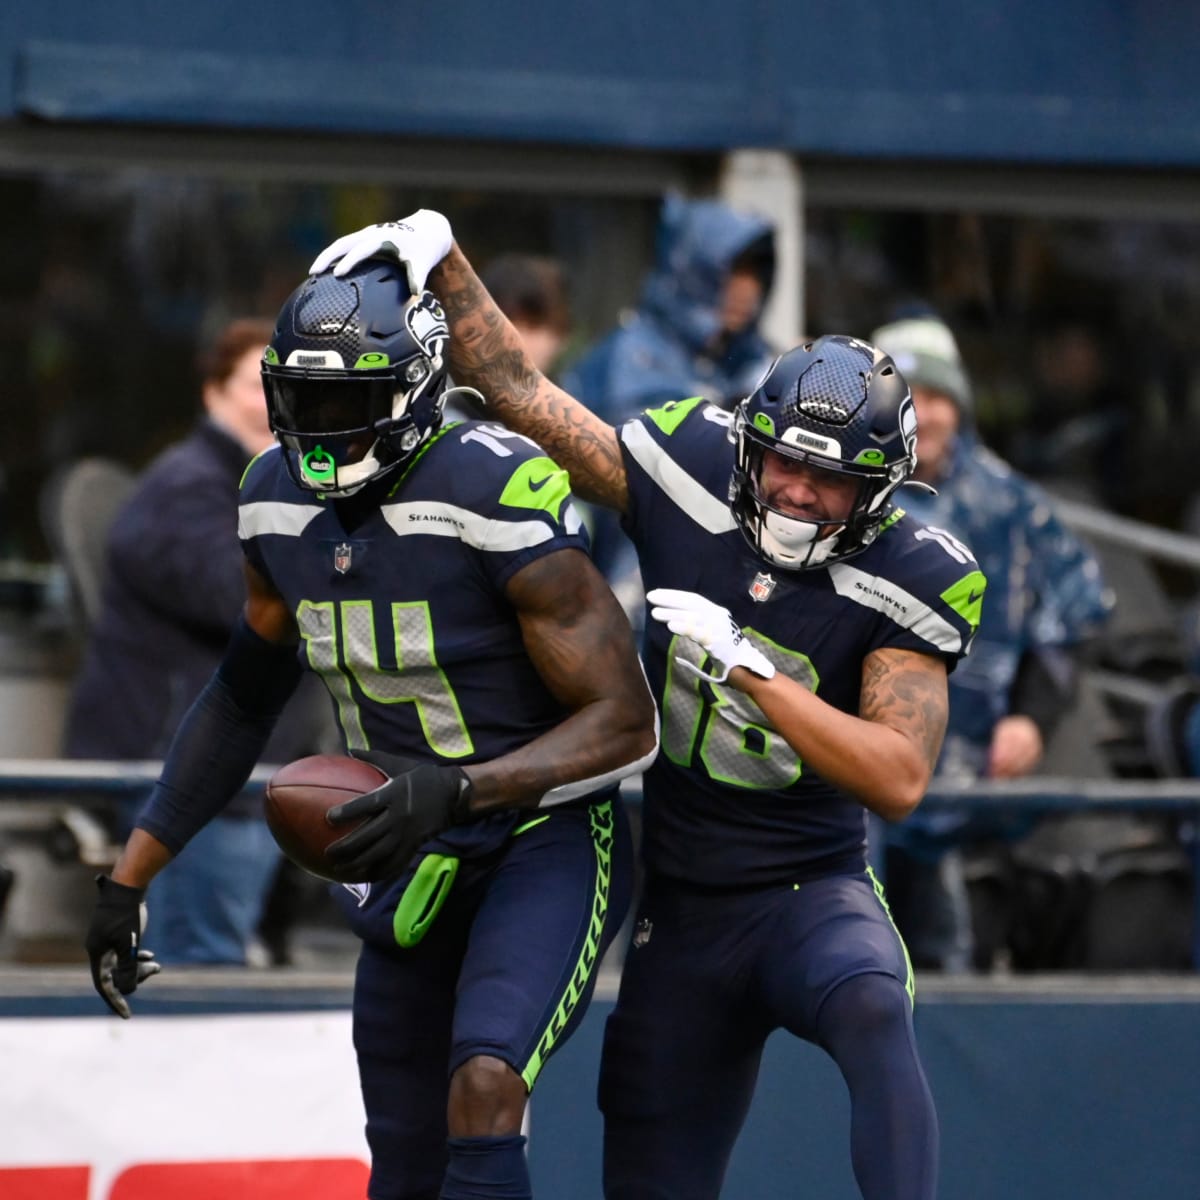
(355, 376)
(836, 404)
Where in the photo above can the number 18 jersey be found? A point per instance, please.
(728, 803)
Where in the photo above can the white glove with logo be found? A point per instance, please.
(419, 242)
(710, 626)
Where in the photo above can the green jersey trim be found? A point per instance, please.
(910, 983)
(670, 415)
(873, 591)
(242, 481)
(422, 450)
(689, 495)
(966, 597)
(540, 484)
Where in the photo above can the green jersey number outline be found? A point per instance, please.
(725, 727)
(341, 643)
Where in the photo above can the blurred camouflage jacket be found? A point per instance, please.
(1044, 588)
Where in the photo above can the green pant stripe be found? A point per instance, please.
(910, 984)
(601, 816)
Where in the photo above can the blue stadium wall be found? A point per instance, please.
(1073, 83)
(1086, 1095)
(1047, 1090)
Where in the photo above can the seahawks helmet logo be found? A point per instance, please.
(426, 321)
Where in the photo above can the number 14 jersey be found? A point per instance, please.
(402, 611)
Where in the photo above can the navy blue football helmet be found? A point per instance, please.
(837, 404)
(355, 376)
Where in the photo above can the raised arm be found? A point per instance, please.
(487, 353)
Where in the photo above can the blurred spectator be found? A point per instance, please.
(695, 330)
(173, 590)
(1045, 598)
(694, 333)
(532, 294)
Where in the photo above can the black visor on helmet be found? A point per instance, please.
(306, 406)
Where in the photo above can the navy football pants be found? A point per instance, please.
(506, 969)
(712, 977)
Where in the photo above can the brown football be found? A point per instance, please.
(298, 797)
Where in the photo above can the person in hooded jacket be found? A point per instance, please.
(694, 332)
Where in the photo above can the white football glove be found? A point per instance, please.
(418, 242)
(710, 626)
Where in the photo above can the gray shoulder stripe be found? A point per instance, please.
(692, 497)
(449, 520)
(270, 516)
(873, 591)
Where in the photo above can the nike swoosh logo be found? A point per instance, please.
(541, 483)
(974, 597)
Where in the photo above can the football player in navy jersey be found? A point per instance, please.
(802, 631)
(437, 580)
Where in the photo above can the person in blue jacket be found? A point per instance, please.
(1045, 599)
(694, 332)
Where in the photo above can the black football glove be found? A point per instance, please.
(113, 944)
(418, 802)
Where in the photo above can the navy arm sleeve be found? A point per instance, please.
(221, 737)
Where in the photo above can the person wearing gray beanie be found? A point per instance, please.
(1045, 597)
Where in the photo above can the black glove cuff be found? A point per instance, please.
(460, 807)
(109, 887)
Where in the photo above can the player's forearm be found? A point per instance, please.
(141, 859)
(595, 747)
(487, 353)
(886, 770)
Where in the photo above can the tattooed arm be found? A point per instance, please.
(886, 755)
(487, 353)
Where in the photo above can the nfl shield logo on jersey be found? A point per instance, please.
(762, 587)
(342, 554)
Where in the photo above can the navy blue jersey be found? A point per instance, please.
(404, 615)
(728, 802)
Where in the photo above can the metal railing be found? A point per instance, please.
(51, 790)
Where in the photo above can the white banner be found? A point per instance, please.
(248, 1107)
